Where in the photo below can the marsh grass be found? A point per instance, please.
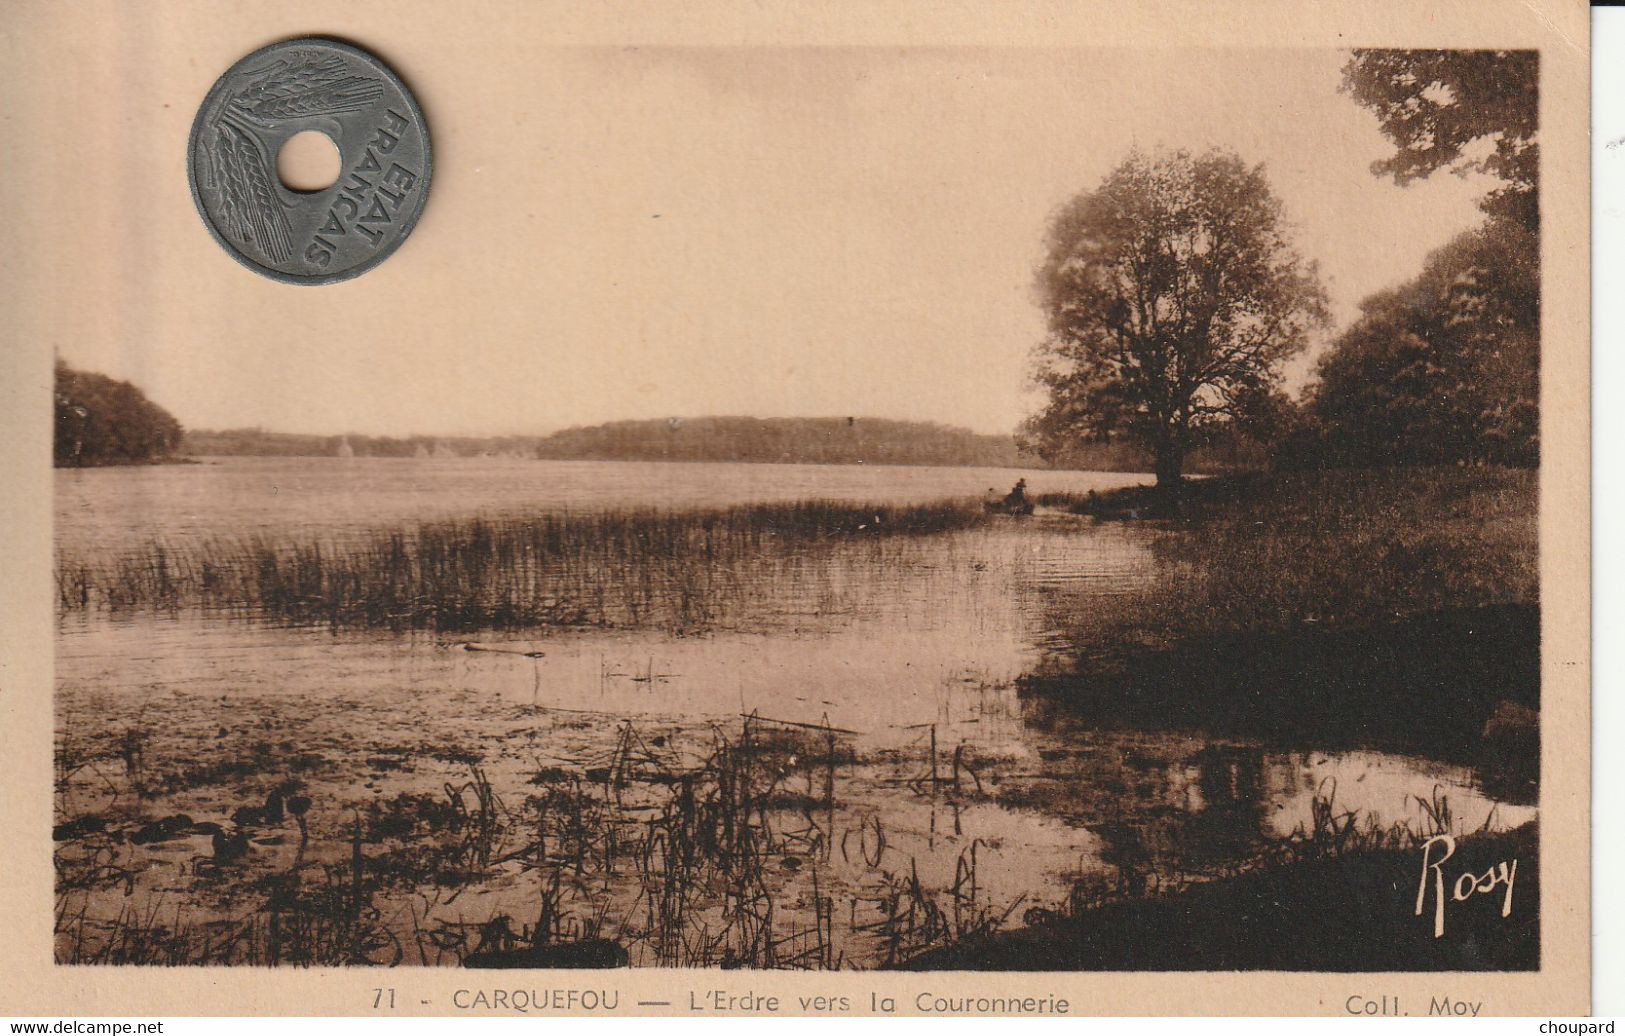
(677, 860)
(1262, 553)
(677, 570)
(1329, 547)
(646, 859)
(317, 915)
(1392, 609)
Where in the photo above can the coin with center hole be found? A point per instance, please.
(335, 231)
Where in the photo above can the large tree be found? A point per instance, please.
(1462, 110)
(1445, 367)
(1173, 295)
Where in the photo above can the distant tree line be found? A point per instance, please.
(831, 440)
(102, 421)
(258, 442)
(785, 440)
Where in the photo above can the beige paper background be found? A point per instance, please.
(100, 238)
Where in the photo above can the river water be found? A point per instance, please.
(905, 654)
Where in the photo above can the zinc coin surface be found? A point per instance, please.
(317, 236)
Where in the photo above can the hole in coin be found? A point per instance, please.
(309, 161)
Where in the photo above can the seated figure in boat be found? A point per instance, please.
(1017, 502)
(1014, 502)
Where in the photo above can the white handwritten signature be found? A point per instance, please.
(1438, 849)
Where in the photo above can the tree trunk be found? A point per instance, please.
(1170, 460)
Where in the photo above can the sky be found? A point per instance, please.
(645, 233)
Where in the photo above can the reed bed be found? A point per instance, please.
(648, 568)
(718, 855)
(652, 856)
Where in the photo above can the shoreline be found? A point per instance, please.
(1414, 630)
(1456, 682)
(1432, 684)
(1341, 912)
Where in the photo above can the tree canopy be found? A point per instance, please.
(1462, 110)
(1173, 294)
(103, 421)
(1445, 367)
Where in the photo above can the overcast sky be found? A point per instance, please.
(653, 233)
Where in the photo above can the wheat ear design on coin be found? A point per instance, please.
(305, 84)
(248, 204)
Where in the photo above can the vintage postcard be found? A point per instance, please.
(886, 509)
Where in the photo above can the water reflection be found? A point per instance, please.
(943, 757)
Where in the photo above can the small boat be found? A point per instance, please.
(1015, 502)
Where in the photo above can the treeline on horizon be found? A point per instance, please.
(784, 440)
(747, 440)
(101, 421)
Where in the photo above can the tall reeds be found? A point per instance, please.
(623, 568)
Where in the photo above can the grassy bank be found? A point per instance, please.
(1461, 686)
(626, 568)
(1353, 911)
(1331, 548)
(1394, 608)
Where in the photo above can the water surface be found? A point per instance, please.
(905, 653)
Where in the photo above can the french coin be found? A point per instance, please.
(320, 236)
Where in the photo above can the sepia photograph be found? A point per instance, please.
(733, 514)
(1098, 535)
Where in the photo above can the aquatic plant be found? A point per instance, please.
(676, 569)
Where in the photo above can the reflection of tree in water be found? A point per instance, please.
(1165, 805)
(1237, 795)
(1223, 799)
